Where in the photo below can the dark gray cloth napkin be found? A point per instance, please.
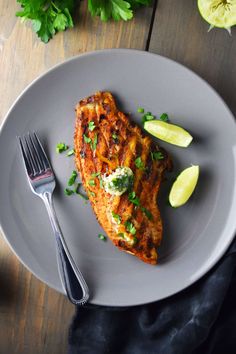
(198, 320)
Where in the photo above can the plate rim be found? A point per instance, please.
(227, 244)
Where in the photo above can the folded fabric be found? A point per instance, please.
(199, 320)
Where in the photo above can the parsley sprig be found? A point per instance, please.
(49, 17)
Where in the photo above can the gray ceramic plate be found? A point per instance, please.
(196, 235)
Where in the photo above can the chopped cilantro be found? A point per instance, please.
(87, 139)
(133, 198)
(72, 178)
(91, 125)
(121, 234)
(130, 227)
(140, 110)
(102, 237)
(94, 143)
(147, 213)
(77, 191)
(139, 163)
(68, 191)
(100, 181)
(164, 117)
(157, 155)
(116, 217)
(91, 182)
(61, 147)
(95, 174)
(115, 138)
(92, 193)
(71, 152)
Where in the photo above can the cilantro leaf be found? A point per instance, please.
(48, 17)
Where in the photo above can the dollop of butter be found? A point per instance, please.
(119, 181)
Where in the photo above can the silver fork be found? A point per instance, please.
(42, 182)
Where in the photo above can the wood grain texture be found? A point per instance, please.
(33, 317)
(181, 34)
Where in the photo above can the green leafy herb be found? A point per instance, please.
(149, 117)
(68, 191)
(116, 217)
(72, 178)
(95, 174)
(147, 213)
(102, 237)
(49, 17)
(91, 182)
(135, 240)
(130, 227)
(115, 138)
(140, 110)
(71, 152)
(94, 143)
(91, 126)
(121, 234)
(77, 191)
(133, 198)
(157, 155)
(92, 193)
(87, 139)
(61, 147)
(100, 181)
(139, 163)
(164, 117)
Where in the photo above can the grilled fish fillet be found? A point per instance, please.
(104, 140)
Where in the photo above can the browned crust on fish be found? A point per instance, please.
(110, 153)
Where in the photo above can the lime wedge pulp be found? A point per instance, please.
(218, 13)
(169, 133)
(184, 186)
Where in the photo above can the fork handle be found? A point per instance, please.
(71, 277)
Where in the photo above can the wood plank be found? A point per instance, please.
(33, 317)
(180, 33)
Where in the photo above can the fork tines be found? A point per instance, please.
(33, 153)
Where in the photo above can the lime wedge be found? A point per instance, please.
(184, 186)
(218, 13)
(169, 133)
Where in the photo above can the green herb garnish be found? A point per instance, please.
(140, 110)
(133, 198)
(87, 139)
(139, 163)
(91, 126)
(116, 217)
(130, 227)
(91, 182)
(100, 181)
(95, 174)
(72, 178)
(147, 213)
(77, 191)
(102, 237)
(121, 234)
(61, 147)
(164, 117)
(71, 152)
(157, 155)
(115, 138)
(94, 143)
(149, 117)
(92, 193)
(68, 191)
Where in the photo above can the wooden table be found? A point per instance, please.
(33, 317)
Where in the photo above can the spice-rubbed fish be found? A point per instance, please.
(121, 169)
